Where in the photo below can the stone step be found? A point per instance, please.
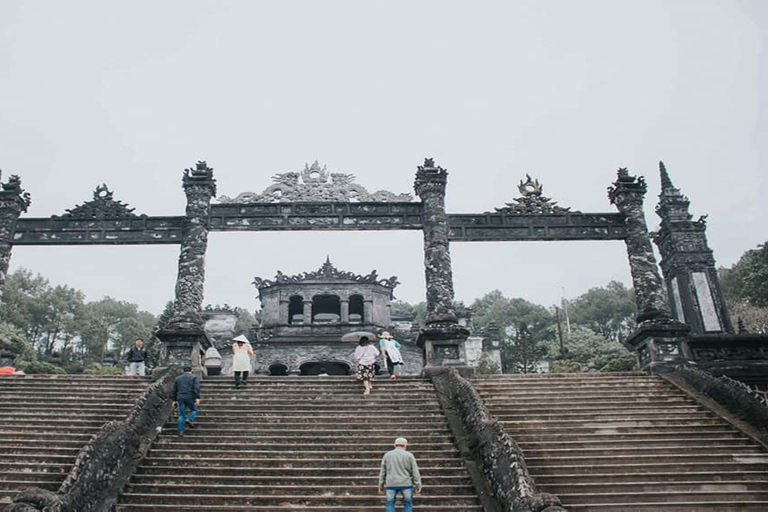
(634, 498)
(625, 413)
(281, 445)
(601, 401)
(642, 450)
(213, 481)
(53, 447)
(650, 383)
(556, 376)
(315, 421)
(680, 467)
(47, 457)
(308, 507)
(335, 453)
(678, 506)
(630, 443)
(192, 469)
(268, 400)
(18, 467)
(647, 478)
(29, 476)
(236, 409)
(299, 435)
(242, 489)
(618, 431)
(622, 458)
(614, 422)
(69, 378)
(63, 412)
(285, 501)
(361, 462)
(694, 486)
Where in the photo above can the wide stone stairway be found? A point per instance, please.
(46, 419)
(627, 441)
(300, 443)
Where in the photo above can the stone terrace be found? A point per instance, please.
(300, 443)
(627, 442)
(46, 419)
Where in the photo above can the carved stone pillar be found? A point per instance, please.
(627, 194)
(185, 330)
(368, 311)
(307, 312)
(659, 340)
(442, 339)
(344, 311)
(284, 312)
(13, 201)
(693, 285)
(430, 187)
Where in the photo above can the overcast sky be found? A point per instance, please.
(131, 93)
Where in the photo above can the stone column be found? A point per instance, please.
(284, 312)
(627, 194)
(658, 339)
(442, 338)
(344, 311)
(430, 187)
(13, 201)
(184, 335)
(307, 312)
(368, 311)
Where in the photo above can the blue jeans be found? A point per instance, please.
(407, 493)
(183, 405)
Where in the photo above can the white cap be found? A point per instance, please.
(401, 441)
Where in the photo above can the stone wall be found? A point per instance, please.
(487, 446)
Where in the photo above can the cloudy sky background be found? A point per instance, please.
(131, 93)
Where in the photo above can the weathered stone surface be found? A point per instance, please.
(315, 184)
(200, 187)
(430, 187)
(484, 441)
(627, 194)
(13, 201)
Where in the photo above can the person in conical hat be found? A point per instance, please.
(241, 359)
(390, 350)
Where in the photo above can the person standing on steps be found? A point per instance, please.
(399, 473)
(241, 359)
(390, 349)
(186, 396)
(366, 355)
(137, 357)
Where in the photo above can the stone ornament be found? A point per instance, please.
(327, 272)
(102, 206)
(532, 202)
(315, 183)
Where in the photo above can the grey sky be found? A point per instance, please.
(131, 93)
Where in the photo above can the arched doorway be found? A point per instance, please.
(356, 313)
(327, 367)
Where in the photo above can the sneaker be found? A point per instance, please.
(189, 424)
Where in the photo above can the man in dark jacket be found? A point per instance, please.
(186, 394)
(137, 358)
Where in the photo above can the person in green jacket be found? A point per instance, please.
(399, 474)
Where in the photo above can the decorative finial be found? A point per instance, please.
(666, 183)
(429, 163)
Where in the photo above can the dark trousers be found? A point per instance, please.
(237, 378)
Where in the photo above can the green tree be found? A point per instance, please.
(418, 310)
(523, 326)
(609, 311)
(587, 350)
(103, 327)
(747, 280)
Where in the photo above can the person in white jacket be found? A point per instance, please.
(390, 350)
(241, 360)
(366, 355)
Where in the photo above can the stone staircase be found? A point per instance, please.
(300, 443)
(46, 419)
(626, 441)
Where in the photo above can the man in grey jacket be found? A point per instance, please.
(186, 395)
(399, 473)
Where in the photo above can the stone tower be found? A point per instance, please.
(688, 265)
